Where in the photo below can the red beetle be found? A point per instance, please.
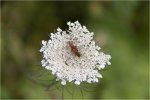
(74, 49)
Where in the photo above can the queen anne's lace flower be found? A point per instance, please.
(72, 55)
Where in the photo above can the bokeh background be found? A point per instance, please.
(121, 29)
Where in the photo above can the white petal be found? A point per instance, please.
(63, 82)
(44, 42)
(109, 63)
(77, 82)
(68, 23)
(99, 75)
(102, 66)
(95, 80)
(58, 29)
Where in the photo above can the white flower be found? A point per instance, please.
(72, 55)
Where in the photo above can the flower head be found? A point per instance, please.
(72, 55)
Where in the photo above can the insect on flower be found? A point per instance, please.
(74, 49)
(78, 41)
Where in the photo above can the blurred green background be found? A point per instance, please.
(121, 27)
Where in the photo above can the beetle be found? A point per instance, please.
(74, 49)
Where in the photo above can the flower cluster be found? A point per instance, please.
(60, 55)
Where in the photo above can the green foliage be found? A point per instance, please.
(121, 27)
